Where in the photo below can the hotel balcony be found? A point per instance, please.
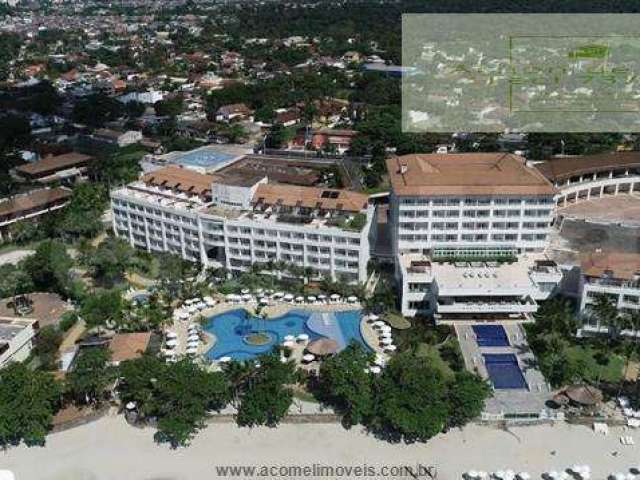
(525, 305)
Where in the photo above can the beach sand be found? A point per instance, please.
(111, 449)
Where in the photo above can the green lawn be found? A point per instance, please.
(611, 372)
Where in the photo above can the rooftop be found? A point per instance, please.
(465, 174)
(619, 265)
(127, 346)
(53, 163)
(33, 200)
(180, 179)
(565, 167)
(310, 197)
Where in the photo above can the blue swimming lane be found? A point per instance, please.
(504, 371)
(491, 335)
(231, 329)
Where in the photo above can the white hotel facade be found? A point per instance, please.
(235, 222)
(469, 232)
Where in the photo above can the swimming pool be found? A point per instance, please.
(231, 329)
(504, 371)
(204, 158)
(491, 335)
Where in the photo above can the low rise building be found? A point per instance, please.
(30, 207)
(117, 138)
(67, 167)
(16, 339)
(616, 275)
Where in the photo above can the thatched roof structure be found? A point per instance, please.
(323, 346)
(584, 394)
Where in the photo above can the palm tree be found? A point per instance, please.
(607, 314)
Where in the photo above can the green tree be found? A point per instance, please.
(14, 280)
(97, 109)
(467, 395)
(91, 376)
(111, 260)
(28, 401)
(81, 218)
(169, 107)
(266, 397)
(410, 399)
(46, 348)
(605, 311)
(556, 315)
(49, 267)
(105, 308)
(180, 395)
(346, 385)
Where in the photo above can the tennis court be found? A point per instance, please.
(491, 336)
(504, 371)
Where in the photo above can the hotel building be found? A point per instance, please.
(469, 232)
(616, 275)
(236, 220)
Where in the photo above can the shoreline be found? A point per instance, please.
(109, 448)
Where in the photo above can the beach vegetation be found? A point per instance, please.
(91, 377)
(265, 393)
(178, 396)
(28, 401)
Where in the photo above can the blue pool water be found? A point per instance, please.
(504, 371)
(491, 335)
(204, 158)
(232, 327)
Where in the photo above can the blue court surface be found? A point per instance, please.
(491, 336)
(504, 371)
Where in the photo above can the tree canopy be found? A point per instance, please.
(49, 267)
(28, 401)
(179, 394)
(91, 376)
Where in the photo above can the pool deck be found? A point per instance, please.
(509, 401)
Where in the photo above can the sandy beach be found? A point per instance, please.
(111, 449)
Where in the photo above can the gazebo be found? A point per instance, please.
(323, 347)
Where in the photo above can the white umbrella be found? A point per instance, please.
(303, 337)
(230, 296)
(171, 335)
(334, 296)
(171, 343)
(552, 474)
(299, 299)
(209, 301)
(289, 338)
(378, 323)
(390, 348)
(386, 341)
(130, 405)
(193, 338)
(288, 344)
(264, 301)
(509, 475)
(191, 351)
(188, 301)
(224, 359)
(193, 345)
(278, 295)
(169, 353)
(499, 474)
(386, 334)
(201, 306)
(311, 298)
(244, 291)
(192, 327)
(385, 328)
(309, 357)
(373, 317)
(375, 369)
(352, 299)
(288, 297)
(246, 297)
(472, 474)
(184, 315)
(322, 297)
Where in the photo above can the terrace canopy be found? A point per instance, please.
(323, 346)
(584, 394)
